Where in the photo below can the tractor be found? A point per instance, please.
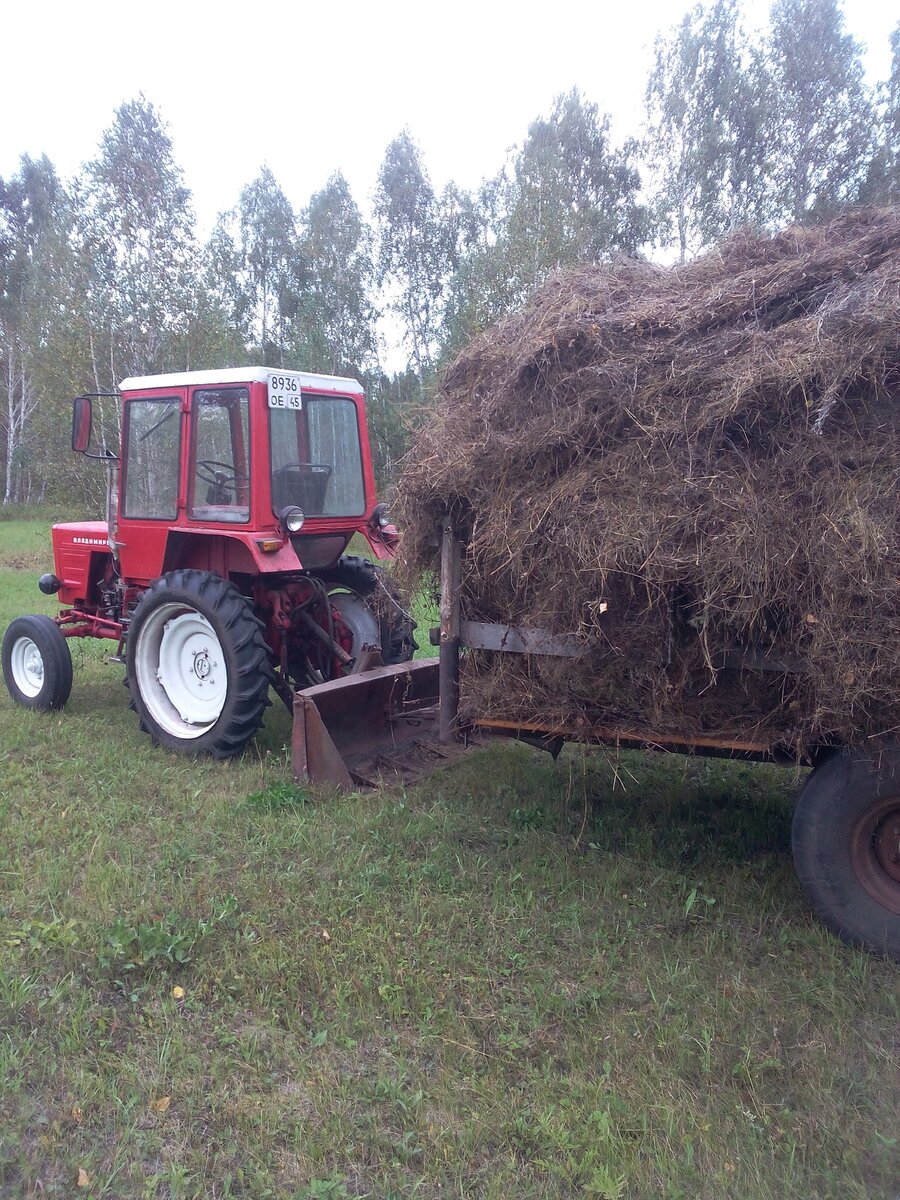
(221, 569)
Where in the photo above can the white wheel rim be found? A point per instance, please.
(180, 670)
(359, 619)
(27, 666)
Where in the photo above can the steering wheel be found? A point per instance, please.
(206, 470)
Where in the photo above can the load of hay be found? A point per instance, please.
(681, 465)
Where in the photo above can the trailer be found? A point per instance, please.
(405, 718)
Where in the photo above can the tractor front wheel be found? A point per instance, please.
(37, 665)
(197, 664)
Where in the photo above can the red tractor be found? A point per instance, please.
(221, 568)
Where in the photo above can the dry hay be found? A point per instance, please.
(711, 451)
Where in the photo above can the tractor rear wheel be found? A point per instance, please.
(846, 841)
(398, 643)
(197, 665)
(37, 665)
(372, 582)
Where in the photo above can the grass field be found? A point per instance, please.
(589, 979)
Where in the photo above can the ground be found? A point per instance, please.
(593, 979)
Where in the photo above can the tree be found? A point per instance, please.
(393, 404)
(58, 333)
(821, 118)
(567, 196)
(418, 246)
(266, 247)
(137, 228)
(706, 106)
(488, 281)
(335, 326)
(223, 288)
(575, 195)
(890, 123)
(882, 185)
(27, 204)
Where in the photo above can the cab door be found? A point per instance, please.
(152, 485)
(219, 466)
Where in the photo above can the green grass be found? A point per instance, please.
(589, 979)
(25, 546)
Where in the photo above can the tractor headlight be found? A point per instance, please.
(380, 516)
(49, 584)
(291, 519)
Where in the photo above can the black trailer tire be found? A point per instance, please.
(197, 665)
(846, 844)
(37, 664)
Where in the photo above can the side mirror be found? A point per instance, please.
(82, 419)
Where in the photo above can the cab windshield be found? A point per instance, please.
(316, 460)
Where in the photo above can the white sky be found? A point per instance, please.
(310, 88)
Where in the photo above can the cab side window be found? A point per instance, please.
(152, 458)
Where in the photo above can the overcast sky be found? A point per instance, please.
(314, 88)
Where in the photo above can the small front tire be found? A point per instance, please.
(37, 664)
(846, 843)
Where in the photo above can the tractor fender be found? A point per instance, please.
(227, 552)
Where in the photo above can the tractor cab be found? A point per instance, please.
(243, 469)
(242, 450)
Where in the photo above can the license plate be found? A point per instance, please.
(284, 392)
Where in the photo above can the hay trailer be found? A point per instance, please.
(405, 718)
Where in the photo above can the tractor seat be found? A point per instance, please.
(304, 485)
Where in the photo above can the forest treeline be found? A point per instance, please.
(103, 275)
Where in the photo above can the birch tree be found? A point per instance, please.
(821, 118)
(336, 325)
(136, 230)
(706, 104)
(27, 204)
(266, 244)
(418, 234)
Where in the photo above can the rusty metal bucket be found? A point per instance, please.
(343, 728)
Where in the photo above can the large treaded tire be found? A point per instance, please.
(846, 844)
(373, 583)
(37, 664)
(398, 643)
(353, 572)
(215, 630)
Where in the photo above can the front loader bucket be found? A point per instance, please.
(343, 728)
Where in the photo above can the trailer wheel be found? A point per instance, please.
(846, 842)
(37, 664)
(197, 665)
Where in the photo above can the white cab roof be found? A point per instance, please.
(319, 383)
